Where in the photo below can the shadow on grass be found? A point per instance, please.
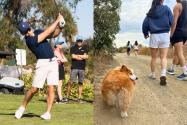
(28, 115)
(42, 100)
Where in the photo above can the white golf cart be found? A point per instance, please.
(9, 82)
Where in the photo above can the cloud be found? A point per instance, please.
(85, 18)
(132, 15)
(122, 38)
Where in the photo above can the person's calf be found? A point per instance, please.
(80, 89)
(29, 96)
(50, 99)
(69, 89)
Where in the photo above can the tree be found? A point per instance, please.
(106, 24)
(45, 11)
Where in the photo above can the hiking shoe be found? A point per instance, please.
(170, 71)
(46, 116)
(152, 76)
(182, 77)
(19, 112)
(163, 81)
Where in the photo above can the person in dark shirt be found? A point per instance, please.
(46, 66)
(179, 37)
(129, 47)
(79, 54)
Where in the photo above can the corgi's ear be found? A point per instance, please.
(123, 68)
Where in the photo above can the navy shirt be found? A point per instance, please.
(78, 64)
(181, 23)
(42, 50)
(159, 22)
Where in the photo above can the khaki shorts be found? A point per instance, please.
(77, 73)
(46, 69)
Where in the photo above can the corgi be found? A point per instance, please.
(118, 87)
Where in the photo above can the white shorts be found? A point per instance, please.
(161, 40)
(46, 69)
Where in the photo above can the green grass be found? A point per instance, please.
(62, 114)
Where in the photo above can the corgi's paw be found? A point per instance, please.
(124, 114)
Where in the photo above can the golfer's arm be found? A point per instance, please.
(48, 32)
(176, 13)
(55, 33)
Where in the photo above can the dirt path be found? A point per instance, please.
(151, 105)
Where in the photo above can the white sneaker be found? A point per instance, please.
(46, 116)
(19, 112)
(152, 76)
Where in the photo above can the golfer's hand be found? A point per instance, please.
(146, 36)
(59, 17)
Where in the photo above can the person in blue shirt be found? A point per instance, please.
(46, 66)
(157, 23)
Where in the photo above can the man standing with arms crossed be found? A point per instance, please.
(46, 66)
(79, 54)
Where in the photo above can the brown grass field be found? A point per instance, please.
(146, 51)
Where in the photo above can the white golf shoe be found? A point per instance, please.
(19, 112)
(46, 116)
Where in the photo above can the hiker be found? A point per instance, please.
(179, 37)
(158, 22)
(79, 55)
(136, 48)
(46, 66)
(129, 47)
(61, 59)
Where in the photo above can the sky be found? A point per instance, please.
(84, 18)
(132, 15)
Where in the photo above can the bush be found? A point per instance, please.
(87, 88)
(145, 51)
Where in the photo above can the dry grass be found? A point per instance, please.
(146, 51)
(100, 62)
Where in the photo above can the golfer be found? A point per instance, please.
(46, 66)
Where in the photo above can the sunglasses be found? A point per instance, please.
(79, 41)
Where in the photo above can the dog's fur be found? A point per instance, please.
(117, 88)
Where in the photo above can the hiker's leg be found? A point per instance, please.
(154, 53)
(179, 52)
(163, 59)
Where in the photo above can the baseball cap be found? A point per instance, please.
(23, 27)
(79, 38)
(59, 40)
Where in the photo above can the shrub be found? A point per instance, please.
(145, 51)
(87, 88)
